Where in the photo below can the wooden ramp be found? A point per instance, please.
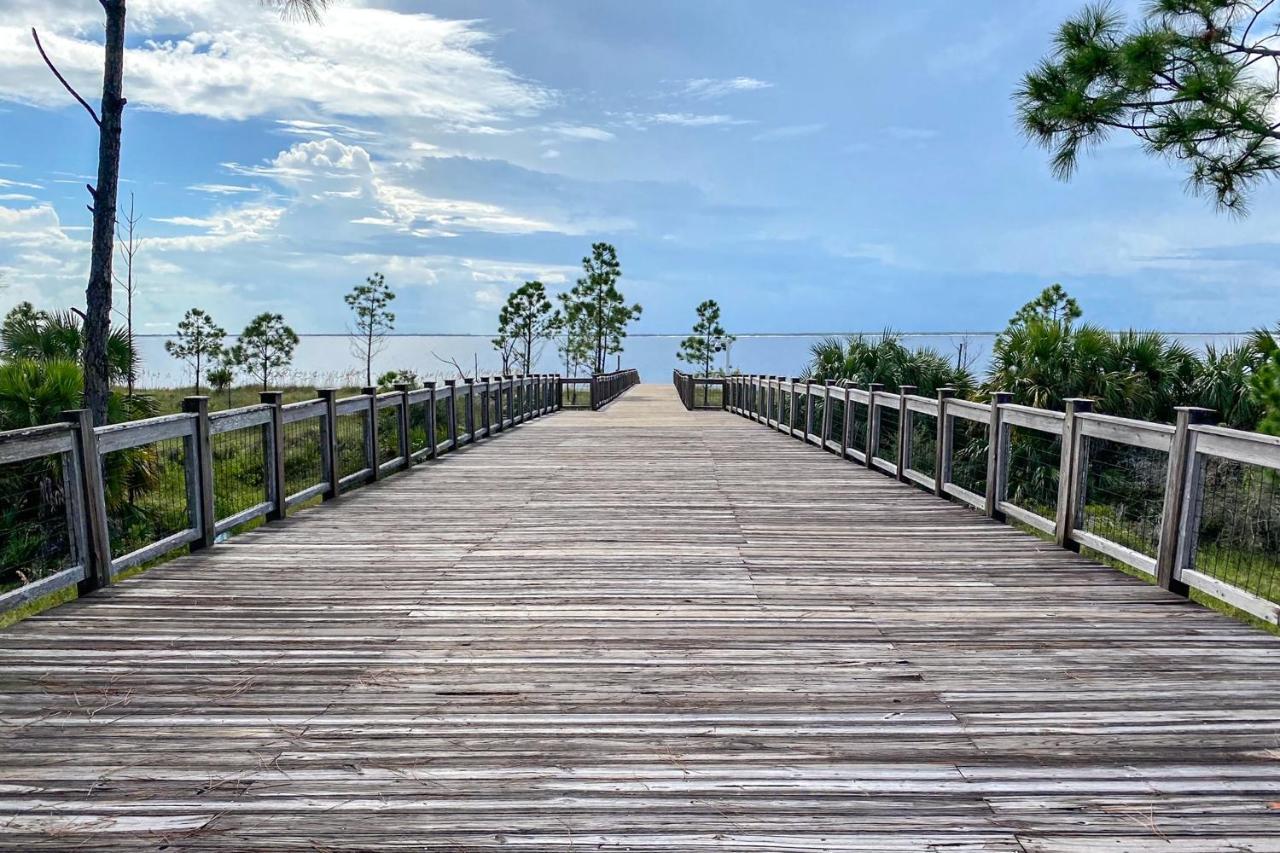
(641, 629)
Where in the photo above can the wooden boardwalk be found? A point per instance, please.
(640, 629)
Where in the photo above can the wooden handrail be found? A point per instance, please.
(79, 449)
(789, 405)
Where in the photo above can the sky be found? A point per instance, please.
(816, 166)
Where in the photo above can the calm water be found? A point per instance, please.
(326, 360)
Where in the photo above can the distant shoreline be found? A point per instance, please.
(740, 335)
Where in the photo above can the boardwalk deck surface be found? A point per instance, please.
(641, 629)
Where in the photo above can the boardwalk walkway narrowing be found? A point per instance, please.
(640, 629)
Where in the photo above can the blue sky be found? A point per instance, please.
(814, 166)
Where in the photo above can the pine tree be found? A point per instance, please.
(199, 341)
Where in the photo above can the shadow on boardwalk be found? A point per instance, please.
(640, 629)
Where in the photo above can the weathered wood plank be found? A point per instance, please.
(707, 637)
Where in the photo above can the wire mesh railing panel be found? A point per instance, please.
(858, 422)
(819, 404)
(477, 411)
(496, 407)
(388, 434)
(519, 401)
(1124, 493)
(146, 494)
(1032, 479)
(836, 430)
(239, 470)
(969, 448)
(350, 436)
(887, 446)
(419, 426)
(799, 404)
(442, 419)
(303, 455)
(924, 443)
(784, 407)
(33, 517)
(1238, 534)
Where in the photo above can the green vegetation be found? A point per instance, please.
(199, 342)
(708, 340)
(885, 360)
(595, 310)
(1195, 81)
(265, 347)
(525, 322)
(373, 320)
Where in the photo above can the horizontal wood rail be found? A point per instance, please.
(1192, 505)
(221, 470)
(603, 388)
(688, 386)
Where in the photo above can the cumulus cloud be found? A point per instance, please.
(238, 61)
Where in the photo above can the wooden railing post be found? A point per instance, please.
(486, 403)
(200, 473)
(406, 422)
(274, 453)
(1179, 521)
(943, 444)
(431, 418)
(92, 498)
(1073, 464)
(826, 413)
(451, 407)
(848, 420)
(904, 431)
(329, 442)
(793, 415)
(371, 431)
(873, 421)
(470, 414)
(997, 455)
(808, 410)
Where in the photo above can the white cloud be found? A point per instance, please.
(641, 121)
(238, 61)
(793, 131)
(707, 88)
(222, 189)
(584, 132)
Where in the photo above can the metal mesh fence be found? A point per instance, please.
(388, 434)
(442, 418)
(350, 437)
(969, 448)
(497, 406)
(239, 470)
(924, 443)
(1124, 493)
(858, 414)
(1034, 458)
(836, 431)
(303, 455)
(887, 446)
(146, 494)
(1238, 535)
(33, 516)
(420, 426)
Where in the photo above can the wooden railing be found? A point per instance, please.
(1192, 505)
(600, 389)
(699, 392)
(208, 473)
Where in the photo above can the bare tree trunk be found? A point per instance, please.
(97, 323)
